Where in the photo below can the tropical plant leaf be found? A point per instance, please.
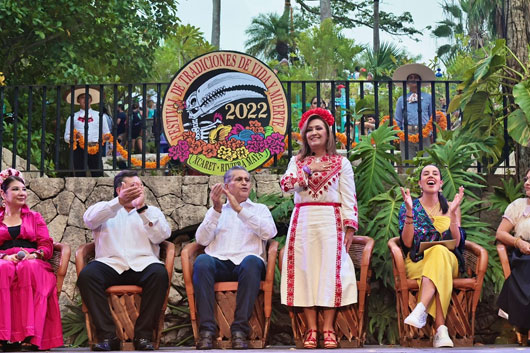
(503, 196)
(519, 127)
(521, 94)
(375, 171)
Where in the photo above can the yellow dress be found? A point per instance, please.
(437, 263)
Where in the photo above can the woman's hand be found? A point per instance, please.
(12, 258)
(454, 207)
(523, 246)
(348, 238)
(407, 199)
(319, 166)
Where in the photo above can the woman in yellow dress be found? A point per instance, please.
(431, 218)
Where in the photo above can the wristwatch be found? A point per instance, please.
(141, 209)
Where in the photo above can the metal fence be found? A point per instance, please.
(33, 119)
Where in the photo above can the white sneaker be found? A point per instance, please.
(442, 339)
(418, 316)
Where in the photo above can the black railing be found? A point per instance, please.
(33, 119)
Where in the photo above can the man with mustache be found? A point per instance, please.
(235, 235)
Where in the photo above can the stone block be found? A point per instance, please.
(63, 202)
(195, 194)
(107, 181)
(45, 188)
(70, 279)
(47, 209)
(74, 237)
(75, 217)
(161, 186)
(168, 203)
(150, 198)
(32, 199)
(81, 187)
(57, 226)
(189, 215)
(195, 179)
(100, 193)
(174, 296)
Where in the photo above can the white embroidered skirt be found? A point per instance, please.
(316, 269)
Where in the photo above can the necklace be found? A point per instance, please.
(431, 212)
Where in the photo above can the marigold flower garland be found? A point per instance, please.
(79, 140)
(426, 131)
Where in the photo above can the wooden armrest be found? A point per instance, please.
(481, 261)
(399, 264)
(503, 257)
(365, 258)
(167, 256)
(188, 256)
(272, 254)
(83, 254)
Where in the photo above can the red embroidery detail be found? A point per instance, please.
(82, 119)
(351, 223)
(290, 258)
(322, 180)
(338, 283)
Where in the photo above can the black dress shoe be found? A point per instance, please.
(205, 340)
(143, 344)
(108, 344)
(239, 340)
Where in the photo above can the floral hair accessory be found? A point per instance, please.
(324, 114)
(6, 173)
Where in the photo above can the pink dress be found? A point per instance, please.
(28, 294)
(317, 270)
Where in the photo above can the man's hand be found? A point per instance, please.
(140, 200)
(128, 195)
(215, 196)
(232, 200)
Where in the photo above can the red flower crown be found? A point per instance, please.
(322, 113)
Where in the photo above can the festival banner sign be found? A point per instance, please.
(224, 109)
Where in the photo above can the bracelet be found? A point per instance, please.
(39, 254)
(406, 215)
(515, 242)
(141, 209)
(411, 222)
(307, 170)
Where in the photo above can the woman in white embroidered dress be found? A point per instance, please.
(317, 271)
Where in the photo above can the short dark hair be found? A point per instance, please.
(9, 180)
(228, 174)
(120, 176)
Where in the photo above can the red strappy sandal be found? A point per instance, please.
(330, 341)
(310, 340)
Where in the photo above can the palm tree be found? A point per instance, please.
(270, 36)
(383, 61)
(216, 23)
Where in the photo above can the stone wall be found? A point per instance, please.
(183, 199)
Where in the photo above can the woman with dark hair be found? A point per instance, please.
(317, 271)
(29, 311)
(514, 300)
(431, 218)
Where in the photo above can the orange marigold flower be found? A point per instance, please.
(196, 146)
(255, 126)
(209, 150)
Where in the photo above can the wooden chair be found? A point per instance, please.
(504, 250)
(350, 320)
(460, 318)
(124, 301)
(225, 296)
(59, 262)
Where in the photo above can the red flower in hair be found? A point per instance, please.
(322, 113)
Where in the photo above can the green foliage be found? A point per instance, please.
(187, 43)
(382, 316)
(481, 97)
(22, 142)
(503, 196)
(55, 41)
(352, 14)
(327, 51)
(272, 36)
(375, 170)
(74, 325)
(385, 61)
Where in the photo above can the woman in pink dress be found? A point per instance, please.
(317, 271)
(29, 310)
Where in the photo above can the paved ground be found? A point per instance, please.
(366, 349)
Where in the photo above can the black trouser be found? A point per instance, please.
(95, 166)
(207, 270)
(96, 277)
